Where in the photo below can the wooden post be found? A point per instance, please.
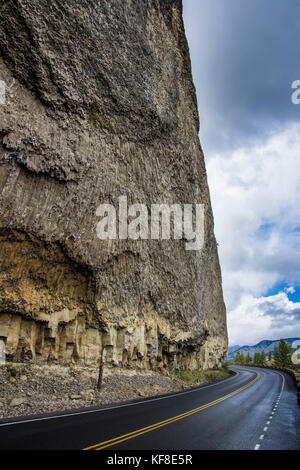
(100, 376)
(101, 366)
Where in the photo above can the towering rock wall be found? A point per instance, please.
(99, 103)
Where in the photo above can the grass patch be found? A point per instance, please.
(94, 111)
(12, 371)
(194, 376)
(17, 370)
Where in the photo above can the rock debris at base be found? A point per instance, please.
(56, 388)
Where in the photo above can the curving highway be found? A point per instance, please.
(255, 409)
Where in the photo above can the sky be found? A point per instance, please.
(245, 56)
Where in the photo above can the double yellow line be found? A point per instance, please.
(139, 432)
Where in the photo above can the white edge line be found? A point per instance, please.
(282, 387)
(261, 437)
(44, 418)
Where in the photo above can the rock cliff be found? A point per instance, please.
(99, 103)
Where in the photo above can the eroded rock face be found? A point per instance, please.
(100, 103)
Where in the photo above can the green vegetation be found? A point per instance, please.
(239, 358)
(248, 358)
(96, 104)
(17, 372)
(282, 357)
(94, 111)
(201, 375)
(12, 371)
(259, 358)
(270, 356)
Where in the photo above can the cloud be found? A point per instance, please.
(272, 317)
(244, 61)
(255, 194)
(289, 290)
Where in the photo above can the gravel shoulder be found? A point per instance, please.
(27, 389)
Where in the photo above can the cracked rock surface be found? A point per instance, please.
(100, 103)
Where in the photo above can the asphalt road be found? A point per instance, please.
(254, 409)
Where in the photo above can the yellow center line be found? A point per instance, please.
(138, 432)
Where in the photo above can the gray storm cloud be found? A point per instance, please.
(245, 56)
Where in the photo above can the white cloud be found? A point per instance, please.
(255, 194)
(272, 317)
(290, 290)
(244, 93)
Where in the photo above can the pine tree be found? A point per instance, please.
(248, 359)
(237, 357)
(270, 356)
(282, 355)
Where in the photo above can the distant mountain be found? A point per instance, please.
(231, 349)
(265, 345)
